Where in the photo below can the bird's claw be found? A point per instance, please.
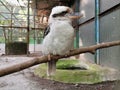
(49, 57)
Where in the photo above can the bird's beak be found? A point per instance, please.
(75, 17)
(71, 16)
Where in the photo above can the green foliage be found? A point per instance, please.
(5, 22)
(2, 40)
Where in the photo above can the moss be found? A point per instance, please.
(63, 64)
(76, 76)
(93, 75)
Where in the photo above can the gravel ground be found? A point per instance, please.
(26, 80)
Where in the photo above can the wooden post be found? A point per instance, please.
(28, 27)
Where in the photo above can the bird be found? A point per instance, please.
(58, 36)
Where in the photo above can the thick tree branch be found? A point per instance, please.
(44, 59)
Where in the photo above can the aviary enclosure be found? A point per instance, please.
(95, 61)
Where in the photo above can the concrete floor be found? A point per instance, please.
(20, 80)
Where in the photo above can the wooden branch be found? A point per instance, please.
(44, 59)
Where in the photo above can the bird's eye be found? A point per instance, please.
(54, 15)
(64, 12)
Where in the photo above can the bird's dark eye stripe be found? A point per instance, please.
(64, 12)
(60, 14)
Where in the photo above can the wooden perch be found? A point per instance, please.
(44, 59)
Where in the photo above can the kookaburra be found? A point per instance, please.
(59, 35)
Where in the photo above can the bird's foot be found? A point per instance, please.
(49, 57)
(72, 50)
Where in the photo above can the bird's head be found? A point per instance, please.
(60, 13)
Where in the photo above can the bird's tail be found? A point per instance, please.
(51, 68)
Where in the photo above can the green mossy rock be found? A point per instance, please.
(94, 74)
